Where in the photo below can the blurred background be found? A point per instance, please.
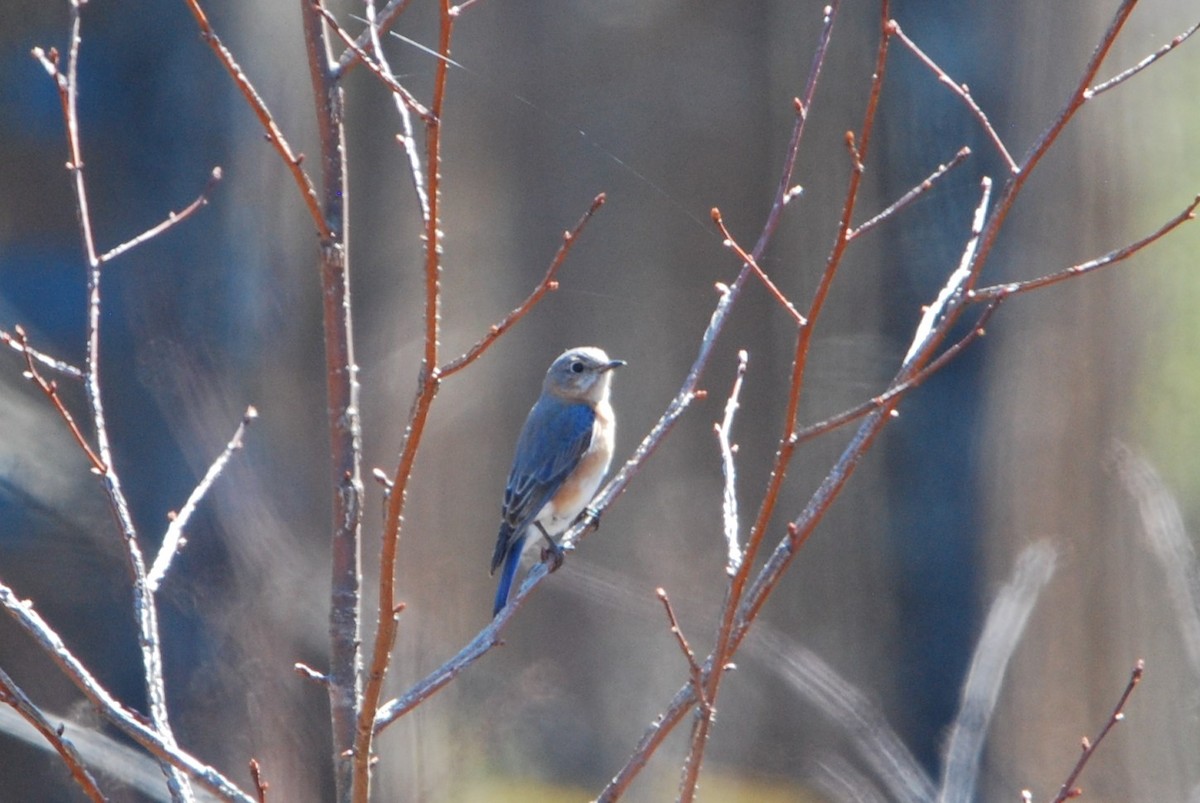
(671, 109)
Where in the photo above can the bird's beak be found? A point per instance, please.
(611, 364)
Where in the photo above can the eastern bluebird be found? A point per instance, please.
(562, 454)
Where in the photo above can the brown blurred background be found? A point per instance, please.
(670, 109)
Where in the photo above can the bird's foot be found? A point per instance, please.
(589, 517)
(552, 553)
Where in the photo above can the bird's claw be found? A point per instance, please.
(552, 553)
(589, 517)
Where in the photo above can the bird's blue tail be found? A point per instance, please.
(511, 561)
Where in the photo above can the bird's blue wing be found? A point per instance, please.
(555, 437)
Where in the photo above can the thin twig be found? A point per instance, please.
(18, 345)
(144, 606)
(912, 195)
(783, 193)
(260, 784)
(729, 506)
(384, 20)
(1111, 258)
(1016, 181)
(896, 390)
(1068, 789)
(693, 667)
(461, 7)
(430, 380)
(128, 722)
(173, 541)
(732, 244)
(51, 390)
(11, 694)
(950, 297)
(292, 160)
(385, 76)
(1143, 64)
(547, 284)
(961, 90)
(171, 220)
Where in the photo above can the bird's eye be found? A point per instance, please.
(577, 368)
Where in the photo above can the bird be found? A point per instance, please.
(562, 454)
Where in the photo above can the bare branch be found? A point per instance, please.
(912, 195)
(377, 69)
(260, 784)
(144, 606)
(1111, 258)
(128, 722)
(385, 19)
(19, 345)
(11, 694)
(547, 284)
(961, 90)
(747, 259)
(51, 391)
(1068, 789)
(174, 540)
(1143, 64)
(729, 505)
(899, 389)
(172, 220)
(924, 339)
(275, 137)
(367, 715)
(693, 667)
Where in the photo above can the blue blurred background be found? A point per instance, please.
(670, 109)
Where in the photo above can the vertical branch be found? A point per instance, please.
(726, 642)
(345, 434)
(143, 601)
(430, 379)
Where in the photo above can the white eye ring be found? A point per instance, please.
(577, 367)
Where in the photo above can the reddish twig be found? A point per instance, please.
(1143, 64)
(1111, 258)
(720, 657)
(18, 345)
(747, 259)
(897, 390)
(430, 380)
(385, 76)
(292, 160)
(50, 388)
(693, 668)
(1016, 182)
(783, 193)
(1069, 790)
(912, 195)
(961, 90)
(11, 694)
(547, 284)
(172, 219)
(173, 541)
(260, 784)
